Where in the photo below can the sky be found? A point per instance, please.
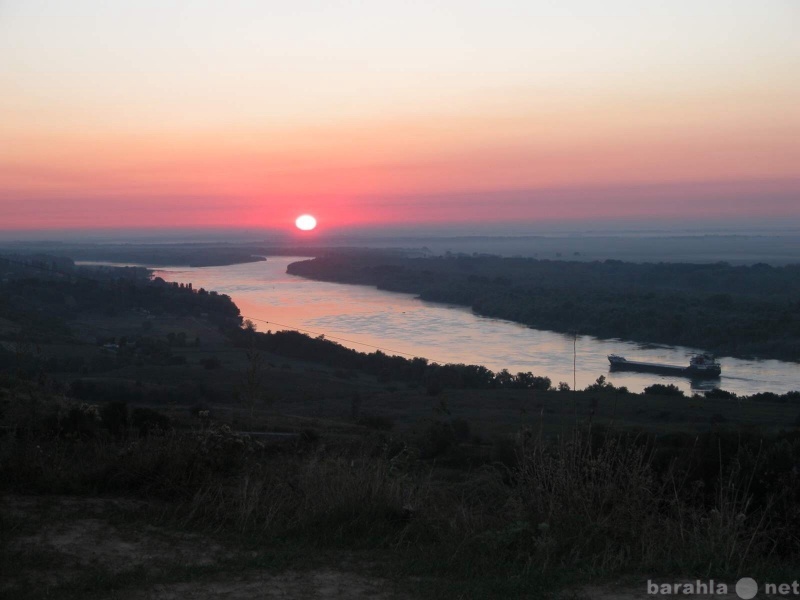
(375, 114)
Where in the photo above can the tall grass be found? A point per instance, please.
(598, 503)
(594, 501)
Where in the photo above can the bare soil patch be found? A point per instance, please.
(311, 585)
(59, 543)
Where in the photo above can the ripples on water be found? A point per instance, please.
(400, 323)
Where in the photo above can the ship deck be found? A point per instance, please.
(636, 363)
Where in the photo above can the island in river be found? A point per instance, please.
(740, 311)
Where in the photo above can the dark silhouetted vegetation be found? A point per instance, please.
(159, 394)
(659, 389)
(601, 500)
(387, 368)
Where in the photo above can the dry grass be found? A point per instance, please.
(597, 502)
(593, 502)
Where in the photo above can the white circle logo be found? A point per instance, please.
(746, 588)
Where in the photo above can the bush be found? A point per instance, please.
(147, 421)
(595, 498)
(461, 430)
(114, 416)
(211, 363)
(376, 422)
(436, 439)
(433, 388)
(658, 389)
(83, 421)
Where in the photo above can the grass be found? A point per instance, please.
(593, 503)
(451, 506)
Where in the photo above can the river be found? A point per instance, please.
(366, 318)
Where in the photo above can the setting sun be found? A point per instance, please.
(305, 222)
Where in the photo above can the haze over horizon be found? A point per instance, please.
(456, 116)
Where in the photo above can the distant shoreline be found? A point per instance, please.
(735, 248)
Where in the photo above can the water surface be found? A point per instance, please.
(364, 318)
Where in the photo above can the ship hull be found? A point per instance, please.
(643, 367)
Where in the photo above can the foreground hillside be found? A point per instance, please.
(154, 446)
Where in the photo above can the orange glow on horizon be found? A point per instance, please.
(481, 118)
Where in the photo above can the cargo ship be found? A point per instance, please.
(700, 366)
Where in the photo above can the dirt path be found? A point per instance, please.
(628, 591)
(312, 585)
(63, 547)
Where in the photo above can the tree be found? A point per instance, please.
(601, 385)
(659, 389)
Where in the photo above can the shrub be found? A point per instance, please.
(437, 438)
(433, 388)
(461, 430)
(659, 389)
(147, 420)
(381, 423)
(601, 385)
(114, 416)
(211, 363)
(595, 499)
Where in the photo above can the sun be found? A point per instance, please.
(305, 222)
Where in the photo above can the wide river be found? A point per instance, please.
(366, 318)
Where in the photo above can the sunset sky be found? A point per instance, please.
(372, 113)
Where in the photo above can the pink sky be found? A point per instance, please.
(198, 115)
